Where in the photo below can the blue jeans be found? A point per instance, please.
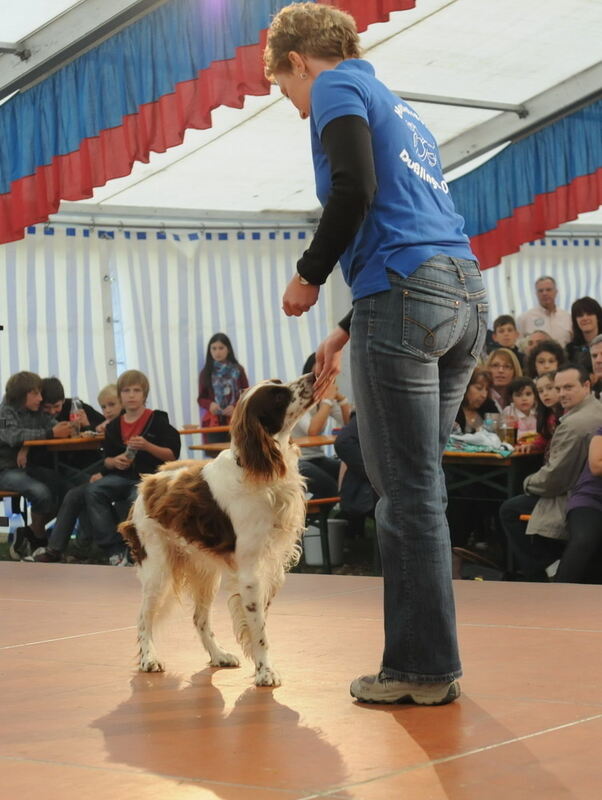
(413, 349)
(104, 500)
(43, 487)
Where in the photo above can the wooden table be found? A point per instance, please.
(195, 429)
(73, 443)
(300, 441)
(504, 474)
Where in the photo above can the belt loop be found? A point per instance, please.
(456, 264)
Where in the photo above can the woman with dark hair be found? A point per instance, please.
(221, 382)
(476, 402)
(545, 357)
(587, 324)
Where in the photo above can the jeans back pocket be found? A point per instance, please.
(429, 323)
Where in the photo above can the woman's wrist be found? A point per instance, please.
(327, 401)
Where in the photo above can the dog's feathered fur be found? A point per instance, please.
(241, 515)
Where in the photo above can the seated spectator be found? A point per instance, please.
(110, 405)
(595, 351)
(21, 419)
(475, 403)
(541, 542)
(504, 368)
(586, 314)
(522, 409)
(469, 519)
(54, 402)
(321, 471)
(73, 508)
(546, 315)
(136, 442)
(532, 339)
(358, 498)
(505, 334)
(545, 357)
(548, 412)
(581, 561)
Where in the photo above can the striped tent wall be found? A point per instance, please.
(575, 263)
(52, 309)
(87, 304)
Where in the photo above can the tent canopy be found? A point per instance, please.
(535, 57)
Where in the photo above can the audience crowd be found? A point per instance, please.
(537, 385)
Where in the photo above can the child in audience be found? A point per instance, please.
(136, 442)
(505, 334)
(71, 463)
(110, 405)
(522, 409)
(73, 507)
(545, 357)
(221, 382)
(548, 413)
(22, 419)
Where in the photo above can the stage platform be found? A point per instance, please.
(79, 723)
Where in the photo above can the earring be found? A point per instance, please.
(303, 75)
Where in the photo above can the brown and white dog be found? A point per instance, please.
(239, 516)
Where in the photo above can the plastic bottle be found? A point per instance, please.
(130, 452)
(15, 521)
(74, 412)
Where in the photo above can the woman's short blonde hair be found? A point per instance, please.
(133, 377)
(508, 356)
(310, 29)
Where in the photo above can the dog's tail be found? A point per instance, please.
(129, 534)
(239, 624)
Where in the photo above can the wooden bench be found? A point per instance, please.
(321, 507)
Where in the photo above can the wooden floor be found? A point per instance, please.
(78, 721)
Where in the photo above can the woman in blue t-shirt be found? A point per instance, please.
(417, 327)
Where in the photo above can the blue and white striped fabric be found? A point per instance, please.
(574, 262)
(87, 304)
(165, 294)
(51, 286)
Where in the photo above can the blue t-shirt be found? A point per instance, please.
(412, 217)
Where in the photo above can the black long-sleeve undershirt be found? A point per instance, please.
(347, 142)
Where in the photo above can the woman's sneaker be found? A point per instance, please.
(380, 689)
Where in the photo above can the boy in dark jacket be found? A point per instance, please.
(21, 419)
(136, 442)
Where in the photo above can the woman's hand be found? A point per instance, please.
(299, 297)
(215, 409)
(328, 360)
(22, 457)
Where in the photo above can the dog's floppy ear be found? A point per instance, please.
(258, 452)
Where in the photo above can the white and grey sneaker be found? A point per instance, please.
(380, 689)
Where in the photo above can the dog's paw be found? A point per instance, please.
(152, 665)
(225, 660)
(266, 676)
